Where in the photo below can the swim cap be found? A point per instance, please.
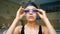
(31, 4)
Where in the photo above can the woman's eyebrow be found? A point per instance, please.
(27, 9)
(34, 9)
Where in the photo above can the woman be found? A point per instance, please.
(30, 12)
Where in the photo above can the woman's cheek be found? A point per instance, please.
(35, 15)
(27, 16)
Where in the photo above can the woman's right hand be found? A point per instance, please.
(20, 13)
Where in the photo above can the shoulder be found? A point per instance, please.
(45, 29)
(18, 29)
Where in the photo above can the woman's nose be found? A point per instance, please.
(30, 12)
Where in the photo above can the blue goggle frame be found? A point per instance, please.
(33, 11)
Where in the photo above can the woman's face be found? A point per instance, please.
(30, 13)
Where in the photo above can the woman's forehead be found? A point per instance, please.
(30, 7)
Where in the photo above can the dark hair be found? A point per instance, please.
(31, 4)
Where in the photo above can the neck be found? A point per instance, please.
(31, 23)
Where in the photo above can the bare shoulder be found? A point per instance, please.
(45, 30)
(17, 29)
(44, 27)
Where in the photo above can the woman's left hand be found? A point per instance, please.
(42, 14)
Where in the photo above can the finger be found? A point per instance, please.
(23, 14)
(19, 9)
(39, 14)
(40, 10)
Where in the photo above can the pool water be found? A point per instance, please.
(58, 31)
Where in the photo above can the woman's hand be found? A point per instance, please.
(20, 13)
(42, 14)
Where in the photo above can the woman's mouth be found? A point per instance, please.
(31, 17)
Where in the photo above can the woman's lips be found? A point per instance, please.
(31, 17)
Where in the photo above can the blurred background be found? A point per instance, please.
(8, 9)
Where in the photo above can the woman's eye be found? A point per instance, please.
(26, 11)
(35, 11)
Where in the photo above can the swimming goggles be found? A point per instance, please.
(33, 11)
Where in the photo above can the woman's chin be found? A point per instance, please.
(31, 20)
